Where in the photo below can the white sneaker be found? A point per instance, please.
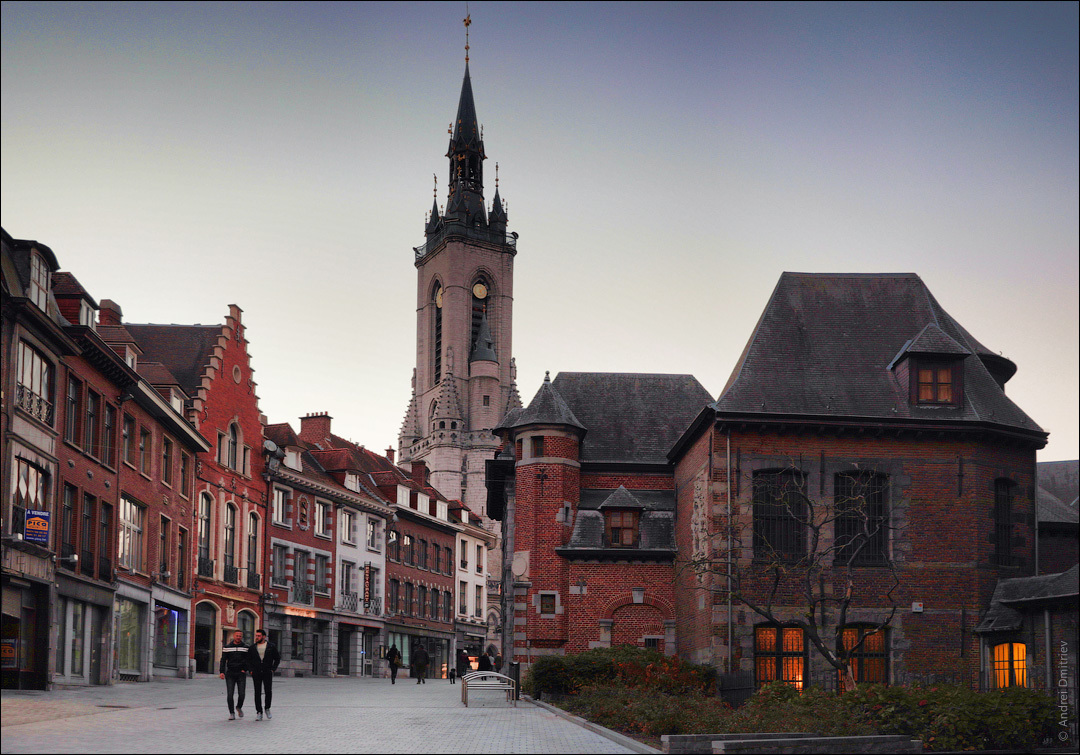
(232, 716)
(258, 716)
(268, 714)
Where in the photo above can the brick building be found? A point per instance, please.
(229, 493)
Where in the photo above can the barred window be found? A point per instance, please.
(869, 661)
(860, 502)
(1010, 665)
(1004, 493)
(779, 655)
(780, 514)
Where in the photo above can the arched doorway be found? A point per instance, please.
(205, 619)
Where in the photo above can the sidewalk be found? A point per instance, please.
(310, 715)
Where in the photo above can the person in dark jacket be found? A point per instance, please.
(483, 663)
(263, 659)
(420, 660)
(234, 669)
(393, 657)
(463, 666)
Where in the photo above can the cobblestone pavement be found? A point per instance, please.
(310, 715)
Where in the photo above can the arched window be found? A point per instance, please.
(869, 660)
(205, 502)
(234, 443)
(1004, 493)
(779, 655)
(436, 335)
(481, 302)
(1010, 665)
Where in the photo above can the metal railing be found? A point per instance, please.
(254, 581)
(206, 567)
(373, 607)
(349, 601)
(36, 406)
(231, 574)
(301, 593)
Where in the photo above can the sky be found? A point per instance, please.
(662, 164)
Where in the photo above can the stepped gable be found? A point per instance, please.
(826, 343)
(631, 417)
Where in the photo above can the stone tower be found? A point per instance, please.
(463, 383)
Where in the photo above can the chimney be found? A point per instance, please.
(315, 428)
(419, 472)
(109, 313)
(390, 454)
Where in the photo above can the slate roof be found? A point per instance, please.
(825, 341)
(1060, 479)
(546, 408)
(66, 284)
(184, 349)
(630, 417)
(1010, 595)
(155, 373)
(1051, 510)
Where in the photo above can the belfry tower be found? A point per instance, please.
(463, 383)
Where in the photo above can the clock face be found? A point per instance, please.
(480, 291)
(438, 297)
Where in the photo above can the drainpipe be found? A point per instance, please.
(1046, 631)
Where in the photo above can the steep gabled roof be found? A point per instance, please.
(546, 408)
(825, 343)
(184, 349)
(630, 417)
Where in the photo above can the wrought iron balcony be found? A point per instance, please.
(373, 607)
(301, 593)
(206, 567)
(231, 575)
(36, 406)
(254, 581)
(349, 601)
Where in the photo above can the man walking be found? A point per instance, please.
(393, 656)
(420, 660)
(263, 659)
(233, 669)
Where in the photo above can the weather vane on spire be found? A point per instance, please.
(468, 23)
(496, 176)
(436, 177)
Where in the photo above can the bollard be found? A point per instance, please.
(514, 672)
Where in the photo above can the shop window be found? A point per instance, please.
(779, 655)
(780, 515)
(1010, 665)
(869, 661)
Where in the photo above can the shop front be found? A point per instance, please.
(171, 634)
(24, 636)
(131, 621)
(304, 637)
(83, 632)
(408, 639)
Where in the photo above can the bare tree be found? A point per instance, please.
(797, 551)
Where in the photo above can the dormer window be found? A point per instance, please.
(39, 281)
(86, 315)
(292, 459)
(621, 528)
(937, 383)
(129, 357)
(177, 401)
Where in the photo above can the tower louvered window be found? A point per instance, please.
(436, 339)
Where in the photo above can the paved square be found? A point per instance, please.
(310, 715)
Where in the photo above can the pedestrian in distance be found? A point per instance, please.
(263, 659)
(420, 660)
(497, 664)
(484, 662)
(393, 656)
(463, 666)
(234, 669)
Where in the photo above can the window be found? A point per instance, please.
(463, 597)
(1010, 665)
(347, 585)
(281, 506)
(547, 604)
(105, 543)
(394, 596)
(861, 517)
(232, 444)
(537, 446)
(348, 526)
(108, 436)
(393, 546)
(230, 543)
(621, 528)
(407, 545)
(446, 606)
(30, 483)
(67, 525)
(163, 547)
(181, 558)
(435, 604)
(1004, 492)
(277, 565)
(166, 461)
(90, 426)
(481, 292)
(34, 392)
(449, 560)
(205, 503)
(479, 559)
(128, 440)
(245, 622)
(779, 655)
(463, 550)
(408, 599)
(252, 547)
(373, 534)
(132, 516)
(73, 416)
(436, 558)
(87, 540)
(145, 444)
(39, 281)
(869, 662)
(321, 518)
(422, 601)
(422, 554)
(322, 574)
(780, 515)
(185, 474)
(937, 383)
(436, 341)
(478, 607)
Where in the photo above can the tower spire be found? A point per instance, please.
(468, 22)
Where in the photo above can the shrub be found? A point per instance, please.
(629, 666)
